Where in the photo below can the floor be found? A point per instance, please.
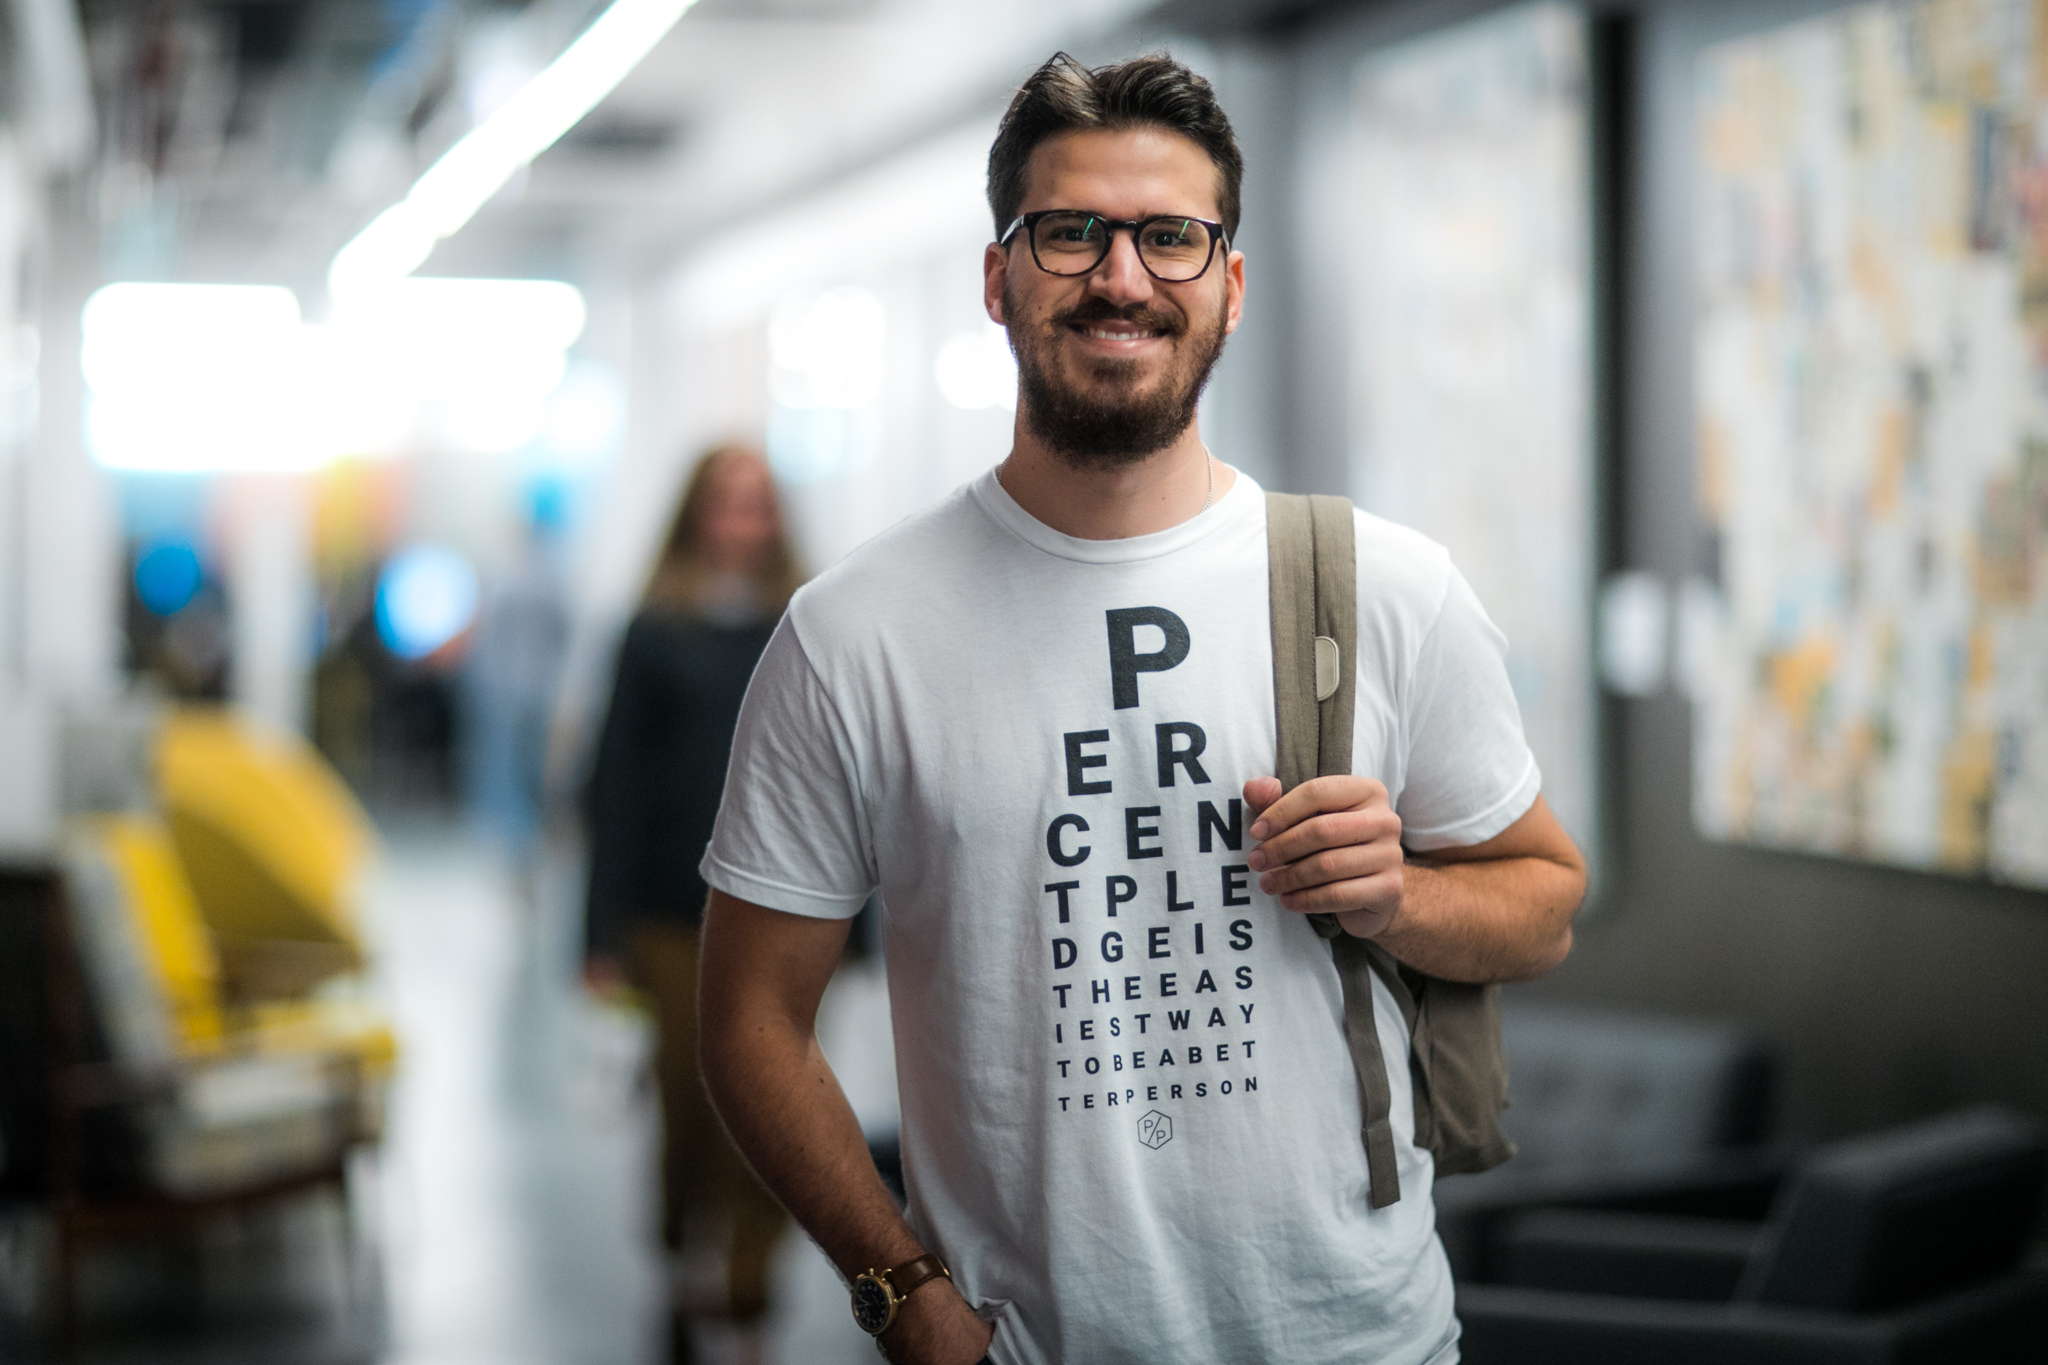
(507, 1218)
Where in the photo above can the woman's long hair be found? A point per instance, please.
(681, 573)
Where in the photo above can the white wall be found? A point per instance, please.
(270, 580)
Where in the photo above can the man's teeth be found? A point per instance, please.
(1104, 334)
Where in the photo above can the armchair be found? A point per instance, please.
(1905, 1246)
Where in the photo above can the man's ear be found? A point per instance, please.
(995, 273)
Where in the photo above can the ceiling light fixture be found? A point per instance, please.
(206, 377)
(399, 239)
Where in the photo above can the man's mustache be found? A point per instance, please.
(1136, 314)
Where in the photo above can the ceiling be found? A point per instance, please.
(249, 139)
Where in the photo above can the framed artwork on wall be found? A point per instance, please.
(1871, 381)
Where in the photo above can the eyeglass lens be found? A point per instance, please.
(1075, 243)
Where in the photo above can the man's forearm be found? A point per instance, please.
(764, 973)
(786, 1112)
(1506, 919)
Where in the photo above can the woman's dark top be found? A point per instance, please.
(661, 769)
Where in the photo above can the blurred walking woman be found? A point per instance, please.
(724, 575)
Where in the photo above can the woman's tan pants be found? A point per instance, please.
(707, 1189)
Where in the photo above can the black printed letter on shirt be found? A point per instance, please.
(1136, 831)
(1209, 823)
(1170, 754)
(1126, 663)
(1078, 763)
(1053, 841)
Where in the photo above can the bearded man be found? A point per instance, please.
(1039, 718)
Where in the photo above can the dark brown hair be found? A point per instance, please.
(1063, 95)
(680, 573)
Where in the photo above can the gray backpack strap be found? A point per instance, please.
(1291, 585)
(1376, 1096)
(1312, 581)
(1312, 578)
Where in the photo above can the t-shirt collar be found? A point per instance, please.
(1242, 499)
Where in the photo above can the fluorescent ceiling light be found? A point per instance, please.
(173, 336)
(188, 376)
(227, 377)
(399, 239)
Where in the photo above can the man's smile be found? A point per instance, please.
(1118, 336)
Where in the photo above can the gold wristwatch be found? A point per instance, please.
(879, 1293)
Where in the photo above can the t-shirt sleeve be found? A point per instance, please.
(790, 829)
(1469, 773)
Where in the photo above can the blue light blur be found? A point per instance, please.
(167, 576)
(548, 501)
(426, 596)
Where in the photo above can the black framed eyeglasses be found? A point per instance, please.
(1074, 241)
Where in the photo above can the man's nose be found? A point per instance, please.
(1122, 277)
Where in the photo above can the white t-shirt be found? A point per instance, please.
(1130, 1125)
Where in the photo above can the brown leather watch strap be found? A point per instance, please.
(908, 1276)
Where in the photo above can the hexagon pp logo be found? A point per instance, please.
(1155, 1130)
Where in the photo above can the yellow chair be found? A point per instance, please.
(226, 1095)
(146, 949)
(272, 842)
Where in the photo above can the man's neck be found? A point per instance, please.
(1113, 502)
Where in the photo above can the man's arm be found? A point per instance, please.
(763, 974)
(1494, 911)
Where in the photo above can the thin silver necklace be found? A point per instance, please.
(1208, 463)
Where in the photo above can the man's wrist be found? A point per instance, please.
(939, 1328)
(1386, 926)
(915, 1304)
(894, 1246)
(1373, 925)
(882, 1294)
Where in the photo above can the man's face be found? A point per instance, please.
(1110, 364)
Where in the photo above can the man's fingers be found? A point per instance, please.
(1380, 894)
(1345, 863)
(1337, 829)
(1313, 797)
(1260, 793)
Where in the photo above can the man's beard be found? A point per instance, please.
(1124, 426)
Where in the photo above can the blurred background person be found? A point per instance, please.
(724, 574)
(510, 682)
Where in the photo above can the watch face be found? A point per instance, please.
(873, 1305)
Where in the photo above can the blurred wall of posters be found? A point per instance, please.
(1871, 371)
(1466, 245)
